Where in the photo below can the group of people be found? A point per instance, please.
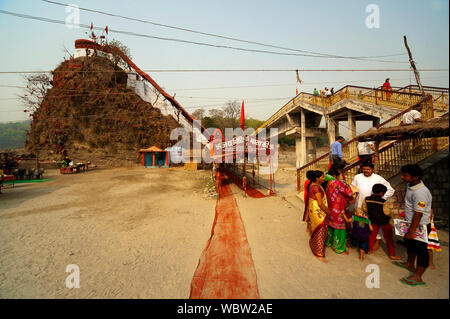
(339, 215)
(323, 93)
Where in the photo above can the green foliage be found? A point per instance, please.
(322, 141)
(253, 123)
(12, 135)
(286, 141)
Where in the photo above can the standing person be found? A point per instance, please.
(380, 216)
(332, 91)
(364, 182)
(366, 152)
(336, 152)
(338, 193)
(418, 202)
(433, 242)
(316, 212)
(315, 95)
(387, 89)
(361, 229)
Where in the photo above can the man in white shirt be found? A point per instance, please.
(412, 117)
(418, 202)
(365, 181)
(365, 151)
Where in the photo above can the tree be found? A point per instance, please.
(36, 90)
(125, 50)
(253, 123)
(232, 113)
(199, 114)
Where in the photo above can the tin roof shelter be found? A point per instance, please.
(154, 157)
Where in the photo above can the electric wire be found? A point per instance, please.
(43, 19)
(219, 36)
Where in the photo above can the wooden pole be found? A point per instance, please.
(413, 66)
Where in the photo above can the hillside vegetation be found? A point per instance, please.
(12, 134)
(91, 113)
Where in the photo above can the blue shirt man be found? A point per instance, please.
(336, 147)
(336, 152)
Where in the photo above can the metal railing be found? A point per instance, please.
(401, 99)
(350, 151)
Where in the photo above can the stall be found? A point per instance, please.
(154, 157)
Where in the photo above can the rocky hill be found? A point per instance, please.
(90, 113)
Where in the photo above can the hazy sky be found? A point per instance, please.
(332, 27)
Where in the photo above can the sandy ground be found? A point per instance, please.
(134, 233)
(139, 233)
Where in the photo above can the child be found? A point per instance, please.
(379, 215)
(361, 229)
(433, 242)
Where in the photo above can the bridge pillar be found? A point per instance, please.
(351, 125)
(332, 131)
(300, 143)
(311, 148)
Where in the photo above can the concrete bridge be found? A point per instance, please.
(300, 117)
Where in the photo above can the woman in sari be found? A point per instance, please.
(316, 214)
(338, 194)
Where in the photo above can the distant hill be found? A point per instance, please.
(12, 134)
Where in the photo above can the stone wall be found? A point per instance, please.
(436, 178)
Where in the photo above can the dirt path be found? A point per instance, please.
(134, 233)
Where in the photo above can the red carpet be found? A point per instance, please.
(250, 191)
(225, 269)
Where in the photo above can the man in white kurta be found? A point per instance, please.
(365, 182)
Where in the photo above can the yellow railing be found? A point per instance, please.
(400, 99)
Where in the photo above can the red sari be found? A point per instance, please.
(317, 220)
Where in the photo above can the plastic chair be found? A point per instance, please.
(40, 173)
(30, 173)
(21, 173)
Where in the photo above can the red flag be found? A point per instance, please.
(106, 29)
(92, 26)
(242, 117)
(296, 91)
